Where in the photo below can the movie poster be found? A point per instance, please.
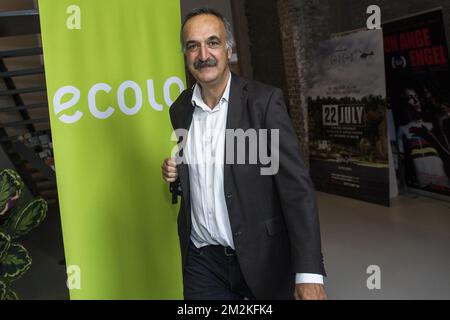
(417, 75)
(347, 117)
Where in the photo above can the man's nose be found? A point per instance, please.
(204, 54)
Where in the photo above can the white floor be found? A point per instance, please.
(410, 242)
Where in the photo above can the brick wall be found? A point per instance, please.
(302, 24)
(265, 43)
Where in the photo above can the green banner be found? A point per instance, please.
(113, 68)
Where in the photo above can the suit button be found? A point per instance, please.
(237, 234)
(229, 195)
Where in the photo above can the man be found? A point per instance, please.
(242, 234)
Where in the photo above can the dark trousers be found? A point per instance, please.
(213, 273)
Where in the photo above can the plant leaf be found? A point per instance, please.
(15, 263)
(14, 177)
(5, 192)
(29, 218)
(11, 295)
(2, 290)
(5, 241)
(11, 187)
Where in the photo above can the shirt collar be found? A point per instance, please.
(197, 99)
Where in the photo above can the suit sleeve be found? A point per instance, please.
(296, 191)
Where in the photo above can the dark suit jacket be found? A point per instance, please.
(274, 219)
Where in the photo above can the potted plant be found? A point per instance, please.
(17, 218)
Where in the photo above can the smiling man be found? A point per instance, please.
(242, 234)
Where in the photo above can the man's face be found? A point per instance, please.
(206, 52)
(412, 98)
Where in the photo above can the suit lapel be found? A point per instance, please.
(236, 108)
(237, 99)
(187, 111)
(186, 114)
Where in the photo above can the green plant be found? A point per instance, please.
(16, 219)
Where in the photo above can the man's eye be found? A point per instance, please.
(213, 44)
(191, 46)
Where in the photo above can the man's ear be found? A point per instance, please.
(229, 53)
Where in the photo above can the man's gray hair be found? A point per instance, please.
(200, 11)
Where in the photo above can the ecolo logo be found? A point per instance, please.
(67, 116)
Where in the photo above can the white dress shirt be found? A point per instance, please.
(204, 152)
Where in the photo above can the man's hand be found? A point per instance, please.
(169, 170)
(310, 291)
